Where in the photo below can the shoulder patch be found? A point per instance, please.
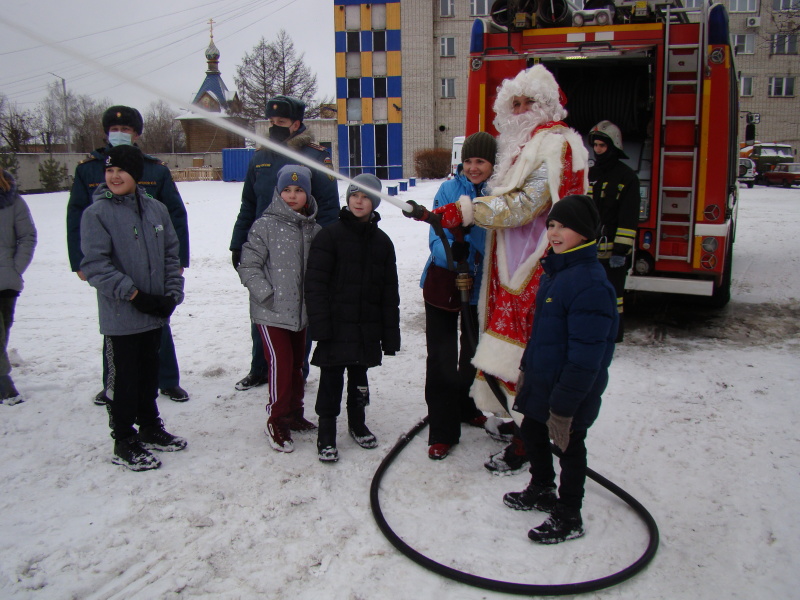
(89, 158)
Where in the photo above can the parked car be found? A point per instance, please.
(785, 174)
(747, 171)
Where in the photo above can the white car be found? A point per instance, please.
(747, 172)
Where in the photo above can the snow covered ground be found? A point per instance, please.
(700, 423)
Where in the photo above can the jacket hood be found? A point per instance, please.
(7, 197)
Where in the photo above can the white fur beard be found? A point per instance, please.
(514, 132)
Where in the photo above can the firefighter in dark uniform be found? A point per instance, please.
(123, 125)
(286, 117)
(615, 189)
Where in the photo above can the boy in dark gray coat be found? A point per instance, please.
(130, 255)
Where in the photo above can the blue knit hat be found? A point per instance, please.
(294, 175)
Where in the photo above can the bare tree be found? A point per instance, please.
(271, 69)
(161, 133)
(15, 125)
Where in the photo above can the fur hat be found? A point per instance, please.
(128, 158)
(286, 106)
(294, 175)
(536, 83)
(366, 181)
(123, 115)
(479, 145)
(578, 213)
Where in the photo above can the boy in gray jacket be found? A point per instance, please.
(130, 255)
(272, 267)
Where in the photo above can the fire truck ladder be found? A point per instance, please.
(680, 123)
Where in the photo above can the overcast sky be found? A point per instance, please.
(161, 42)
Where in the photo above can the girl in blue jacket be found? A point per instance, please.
(564, 369)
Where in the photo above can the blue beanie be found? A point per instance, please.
(294, 175)
(366, 182)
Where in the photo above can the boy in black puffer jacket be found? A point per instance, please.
(353, 304)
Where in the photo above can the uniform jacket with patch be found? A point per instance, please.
(17, 238)
(129, 243)
(262, 177)
(156, 181)
(352, 293)
(273, 264)
(615, 189)
(572, 341)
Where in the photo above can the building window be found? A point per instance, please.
(746, 86)
(378, 17)
(380, 109)
(353, 41)
(379, 64)
(379, 41)
(781, 86)
(693, 3)
(354, 88)
(354, 109)
(785, 5)
(353, 64)
(478, 8)
(783, 43)
(379, 84)
(743, 5)
(447, 8)
(448, 88)
(352, 17)
(743, 43)
(447, 46)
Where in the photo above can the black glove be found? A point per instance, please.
(236, 258)
(460, 251)
(153, 304)
(418, 212)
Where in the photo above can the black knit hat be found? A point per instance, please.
(123, 115)
(286, 106)
(128, 158)
(578, 213)
(479, 145)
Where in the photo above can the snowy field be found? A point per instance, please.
(700, 423)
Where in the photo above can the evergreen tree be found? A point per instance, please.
(52, 174)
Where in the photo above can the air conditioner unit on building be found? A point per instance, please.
(753, 21)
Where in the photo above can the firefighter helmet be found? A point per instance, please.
(607, 132)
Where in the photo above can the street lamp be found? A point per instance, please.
(66, 112)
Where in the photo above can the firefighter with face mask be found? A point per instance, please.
(615, 189)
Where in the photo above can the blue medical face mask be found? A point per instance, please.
(120, 138)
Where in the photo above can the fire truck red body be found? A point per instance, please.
(665, 76)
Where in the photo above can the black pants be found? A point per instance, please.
(7, 305)
(169, 374)
(331, 384)
(617, 277)
(449, 374)
(573, 461)
(132, 384)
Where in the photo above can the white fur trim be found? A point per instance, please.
(467, 214)
(498, 357)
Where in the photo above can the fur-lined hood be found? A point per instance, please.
(7, 197)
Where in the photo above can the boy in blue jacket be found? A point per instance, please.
(564, 369)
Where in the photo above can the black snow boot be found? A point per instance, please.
(356, 417)
(155, 437)
(533, 497)
(326, 440)
(563, 524)
(131, 454)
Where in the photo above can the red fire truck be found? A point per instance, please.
(665, 75)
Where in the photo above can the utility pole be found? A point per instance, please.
(66, 111)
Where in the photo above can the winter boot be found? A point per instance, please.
(251, 380)
(356, 417)
(508, 461)
(132, 454)
(533, 497)
(498, 429)
(563, 524)
(326, 440)
(155, 437)
(279, 435)
(8, 393)
(101, 399)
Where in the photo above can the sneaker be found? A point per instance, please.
(155, 437)
(131, 454)
(499, 430)
(301, 424)
(509, 460)
(477, 421)
(533, 497)
(12, 400)
(363, 437)
(438, 451)
(279, 435)
(328, 454)
(176, 394)
(251, 380)
(101, 399)
(563, 524)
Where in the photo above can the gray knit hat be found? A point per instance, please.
(479, 145)
(294, 175)
(366, 182)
